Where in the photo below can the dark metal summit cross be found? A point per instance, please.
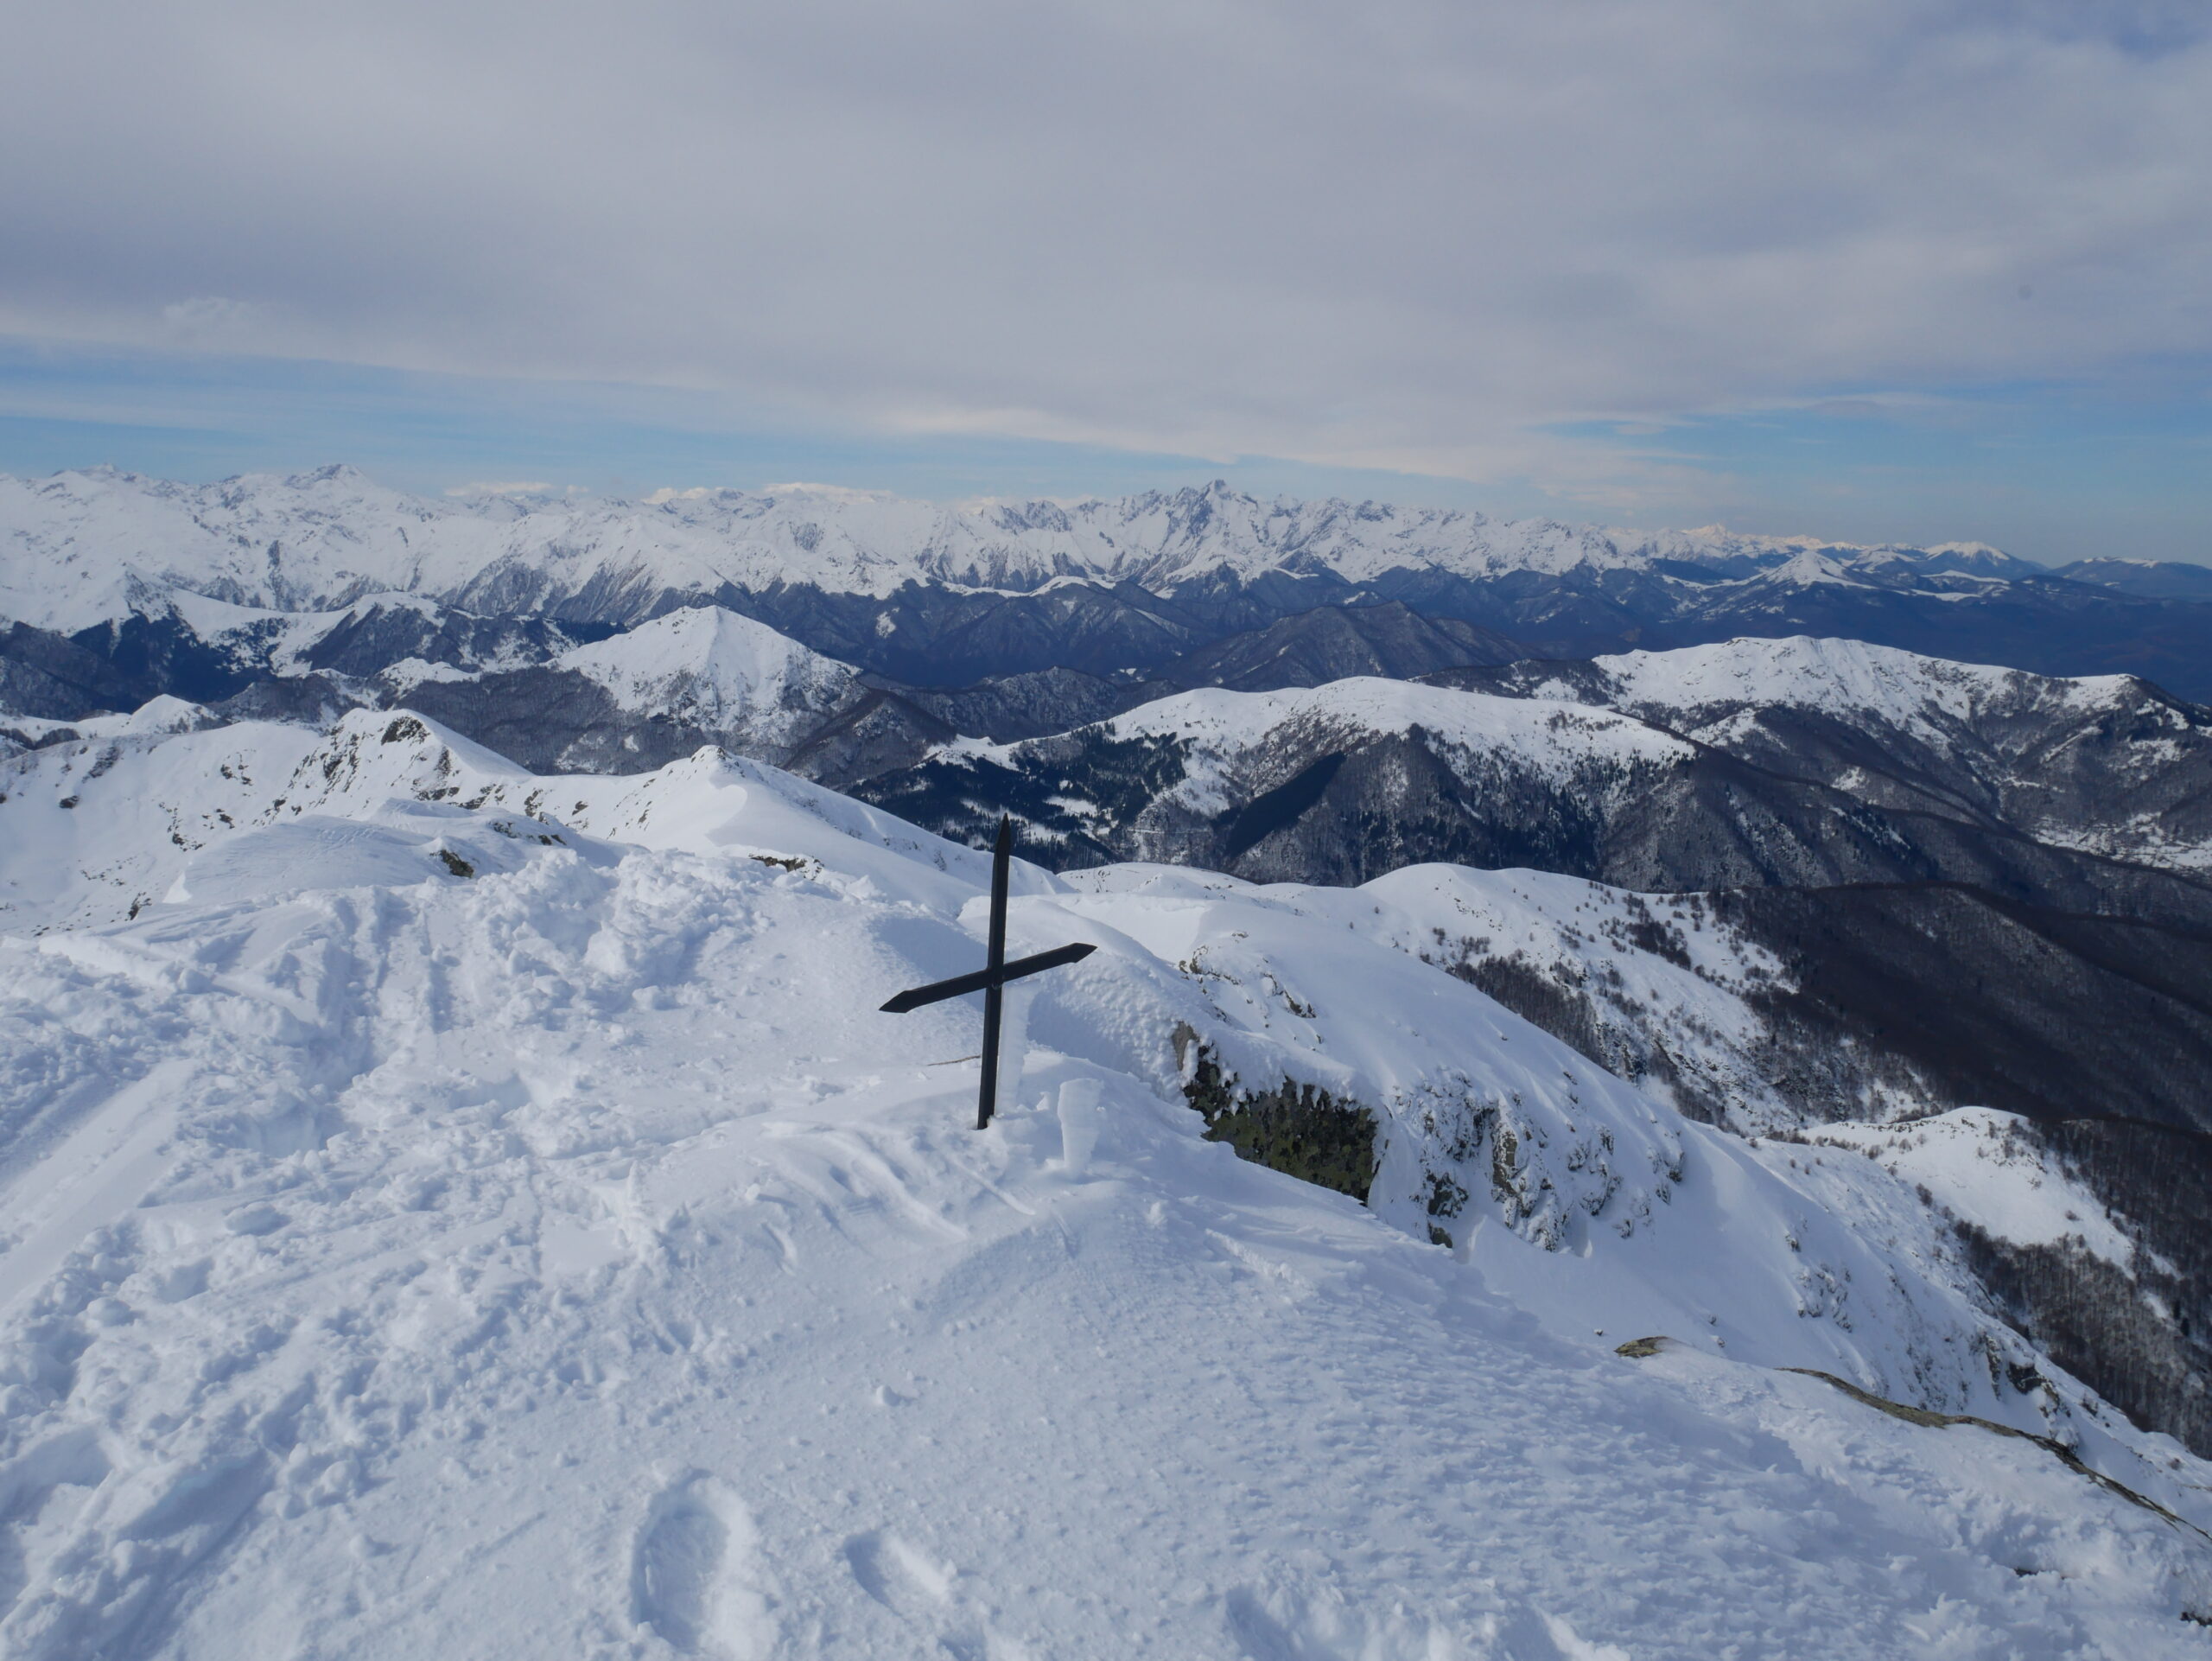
(990, 980)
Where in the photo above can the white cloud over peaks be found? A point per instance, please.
(1403, 234)
(826, 492)
(212, 315)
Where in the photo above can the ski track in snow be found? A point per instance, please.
(571, 1261)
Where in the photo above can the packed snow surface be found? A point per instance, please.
(470, 1214)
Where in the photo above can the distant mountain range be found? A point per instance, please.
(143, 573)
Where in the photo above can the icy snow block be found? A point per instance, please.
(1080, 1118)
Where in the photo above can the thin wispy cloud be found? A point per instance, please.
(1412, 235)
(478, 488)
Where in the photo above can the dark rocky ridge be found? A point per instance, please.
(1336, 803)
(2045, 624)
(2149, 579)
(371, 638)
(1313, 648)
(52, 677)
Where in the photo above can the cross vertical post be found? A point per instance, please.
(991, 979)
(987, 1101)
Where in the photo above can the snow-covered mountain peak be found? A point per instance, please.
(1810, 568)
(1801, 670)
(372, 757)
(707, 641)
(1906, 688)
(717, 670)
(1214, 719)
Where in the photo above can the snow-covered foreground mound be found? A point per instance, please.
(565, 1258)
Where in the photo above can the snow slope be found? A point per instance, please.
(1598, 1206)
(1228, 733)
(1675, 983)
(1931, 698)
(1980, 1169)
(567, 1259)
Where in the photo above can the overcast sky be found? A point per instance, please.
(1866, 267)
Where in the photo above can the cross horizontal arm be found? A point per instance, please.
(1075, 951)
(982, 979)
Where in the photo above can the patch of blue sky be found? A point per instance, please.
(2052, 471)
(202, 417)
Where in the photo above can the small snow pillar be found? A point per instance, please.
(1080, 1117)
(1013, 1042)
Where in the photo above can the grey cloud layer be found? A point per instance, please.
(1397, 233)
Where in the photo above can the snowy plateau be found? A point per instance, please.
(455, 1211)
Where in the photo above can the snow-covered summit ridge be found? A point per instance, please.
(96, 831)
(1223, 727)
(1905, 688)
(567, 1254)
(78, 547)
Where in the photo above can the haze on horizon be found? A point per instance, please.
(1871, 270)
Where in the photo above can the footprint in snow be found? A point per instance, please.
(900, 1577)
(696, 1576)
(41, 1492)
(924, 1592)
